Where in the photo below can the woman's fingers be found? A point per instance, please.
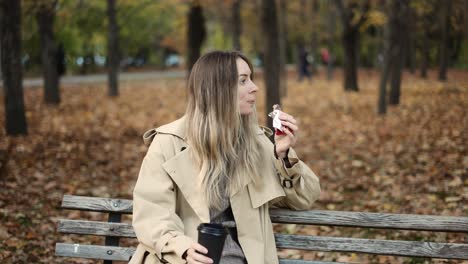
(194, 257)
(197, 258)
(291, 137)
(198, 247)
(287, 117)
(290, 125)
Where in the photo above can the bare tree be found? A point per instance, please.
(236, 24)
(443, 48)
(113, 54)
(331, 28)
(45, 16)
(12, 72)
(314, 27)
(283, 36)
(270, 51)
(399, 25)
(425, 53)
(411, 39)
(393, 54)
(350, 38)
(196, 33)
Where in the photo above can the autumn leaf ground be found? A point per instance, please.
(414, 160)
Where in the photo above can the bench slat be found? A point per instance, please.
(97, 204)
(373, 246)
(313, 217)
(95, 228)
(93, 252)
(124, 253)
(370, 246)
(300, 261)
(372, 220)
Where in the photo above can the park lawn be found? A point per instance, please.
(413, 160)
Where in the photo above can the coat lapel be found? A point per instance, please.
(184, 172)
(270, 186)
(268, 190)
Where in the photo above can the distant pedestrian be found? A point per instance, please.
(325, 56)
(304, 66)
(327, 60)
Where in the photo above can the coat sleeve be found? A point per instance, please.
(156, 224)
(299, 182)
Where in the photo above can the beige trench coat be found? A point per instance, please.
(168, 207)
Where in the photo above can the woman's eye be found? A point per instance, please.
(242, 81)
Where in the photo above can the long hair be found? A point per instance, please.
(225, 143)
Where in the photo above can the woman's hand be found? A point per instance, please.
(194, 257)
(285, 141)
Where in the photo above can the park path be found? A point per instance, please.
(102, 77)
(123, 76)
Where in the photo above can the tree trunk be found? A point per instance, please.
(351, 37)
(113, 56)
(443, 49)
(350, 43)
(400, 37)
(45, 19)
(1, 73)
(396, 71)
(314, 28)
(271, 58)
(12, 72)
(425, 55)
(411, 51)
(257, 41)
(282, 12)
(387, 60)
(393, 54)
(331, 28)
(236, 24)
(196, 33)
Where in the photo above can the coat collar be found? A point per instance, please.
(184, 172)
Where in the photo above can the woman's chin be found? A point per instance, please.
(247, 111)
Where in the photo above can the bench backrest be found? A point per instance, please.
(113, 230)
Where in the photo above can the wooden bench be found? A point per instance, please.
(113, 230)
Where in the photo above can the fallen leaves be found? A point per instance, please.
(414, 160)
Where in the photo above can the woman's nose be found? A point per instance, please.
(254, 88)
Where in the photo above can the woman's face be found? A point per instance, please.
(246, 88)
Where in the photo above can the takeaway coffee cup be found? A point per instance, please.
(212, 236)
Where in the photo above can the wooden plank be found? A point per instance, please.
(93, 252)
(373, 246)
(97, 204)
(300, 261)
(95, 228)
(124, 254)
(313, 217)
(373, 220)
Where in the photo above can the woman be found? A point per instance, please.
(216, 164)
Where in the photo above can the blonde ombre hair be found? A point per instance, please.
(225, 143)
